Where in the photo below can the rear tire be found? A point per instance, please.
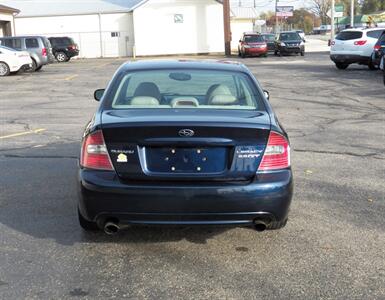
(61, 57)
(38, 68)
(277, 225)
(341, 66)
(34, 66)
(87, 225)
(371, 66)
(4, 69)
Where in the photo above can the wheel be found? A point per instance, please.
(302, 53)
(341, 66)
(384, 77)
(371, 66)
(61, 57)
(277, 225)
(4, 69)
(87, 225)
(34, 66)
(38, 68)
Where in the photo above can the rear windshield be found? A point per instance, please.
(269, 37)
(289, 36)
(253, 38)
(349, 35)
(203, 89)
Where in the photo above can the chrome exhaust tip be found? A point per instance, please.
(111, 228)
(259, 225)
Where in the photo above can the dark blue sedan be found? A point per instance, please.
(184, 142)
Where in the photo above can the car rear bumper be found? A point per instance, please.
(103, 196)
(349, 58)
(72, 53)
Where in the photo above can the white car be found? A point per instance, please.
(13, 60)
(301, 34)
(354, 46)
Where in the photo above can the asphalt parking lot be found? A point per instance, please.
(332, 247)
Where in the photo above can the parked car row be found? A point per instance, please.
(257, 44)
(39, 49)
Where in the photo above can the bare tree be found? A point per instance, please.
(321, 8)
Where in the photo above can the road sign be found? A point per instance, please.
(338, 11)
(285, 11)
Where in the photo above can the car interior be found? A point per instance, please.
(218, 95)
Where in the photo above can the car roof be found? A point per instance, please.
(23, 36)
(364, 29)
(209, 64)
(251, 33)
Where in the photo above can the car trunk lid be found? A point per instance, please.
(185, 144)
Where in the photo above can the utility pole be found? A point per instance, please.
(276, 17)
(226, 24)
(332, 20)
(352, 13)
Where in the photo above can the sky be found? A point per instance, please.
(266, 5)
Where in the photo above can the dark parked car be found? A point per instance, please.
(38, 47)
(252, 44)
(377, 51)
(64, 48)
(269, 39)
(289, 42)
(184, 142)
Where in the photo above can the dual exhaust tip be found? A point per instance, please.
(112, 227)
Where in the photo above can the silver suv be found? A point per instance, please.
(38, 47)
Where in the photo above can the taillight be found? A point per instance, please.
(94, 153)
(277, 153)
(377, 47)
(44, 51)
(360, 43)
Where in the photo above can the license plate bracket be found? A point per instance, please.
(205, 160)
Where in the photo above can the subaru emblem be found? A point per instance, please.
(186, 132)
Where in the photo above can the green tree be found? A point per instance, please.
(371, 6)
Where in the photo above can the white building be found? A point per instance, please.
(111, 28)
(243, 19)
(7, 20)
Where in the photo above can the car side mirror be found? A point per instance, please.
(98, 94)
(267, 94)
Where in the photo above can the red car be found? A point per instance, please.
(252, 44)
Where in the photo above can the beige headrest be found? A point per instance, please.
(223, 100)
(144, 100)
(221, 95)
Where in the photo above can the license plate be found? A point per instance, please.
(186, 160)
